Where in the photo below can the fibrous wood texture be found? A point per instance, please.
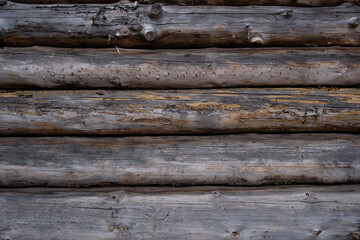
(282, 213)
(305, 3)
(246, 159)
(43, 67)
(179, 111)
(132, 25)
(298, 3)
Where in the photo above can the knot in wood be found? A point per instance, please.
(287, 14)
(354, 22)
(155, 11)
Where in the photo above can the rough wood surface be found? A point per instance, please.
(179, 111)
(132, 25)
(298, 3)
(55, 68)
(277, 213)
(246, 159)
(331, 3)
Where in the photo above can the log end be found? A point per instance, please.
(149, 33)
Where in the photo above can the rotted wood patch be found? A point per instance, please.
(179, 111)
(156, 26)
(54, 68)
(246, 159)
(278, 213)
(298, 3)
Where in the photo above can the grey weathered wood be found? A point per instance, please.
(277, 213)
(246, 159)
(298, 3)
(179, 111)
(333, 2)
(304, 3)
(55, 68)
(127, 25)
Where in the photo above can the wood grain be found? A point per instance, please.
(179, 111)
(55, 68)
(298, 3)
(246, 159)
(281, 213)
(127, 25)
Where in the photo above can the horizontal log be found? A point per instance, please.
(278, 213)
(297, 3)
(179, 111)
(247, 159)
(156, 26)
(55, 68)
(113, 1)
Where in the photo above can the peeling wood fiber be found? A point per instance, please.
(55, 68)
(282, 213)
(245, 159)
(156, 26)
(179, 111)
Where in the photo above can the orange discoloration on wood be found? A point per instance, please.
(48, 126)
(212, 105)
(299, 101)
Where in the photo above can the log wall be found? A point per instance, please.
(188, 136)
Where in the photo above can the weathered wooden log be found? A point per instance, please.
(246, 159)
(276, 213)
(298, 3)
(132, 25)
(179, 111)
(332, 2)
(54, 68)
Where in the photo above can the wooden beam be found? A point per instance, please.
(282, 213)
(179, 111)
(297, 3)
(55, 68)
(103, 1)
(246, 159)
(156, 26)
